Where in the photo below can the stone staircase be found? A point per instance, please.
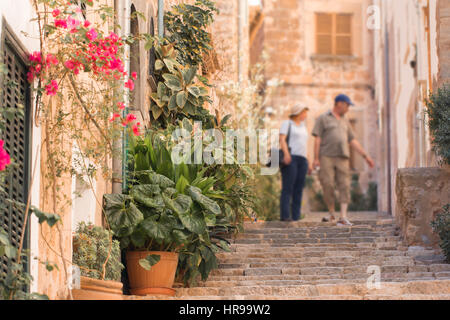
(311, 260)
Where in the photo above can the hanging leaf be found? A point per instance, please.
(50, 218)
(149, 261)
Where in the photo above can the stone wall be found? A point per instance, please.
(314, 80)
(421, 194)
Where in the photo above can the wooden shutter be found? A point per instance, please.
(333, 34)
(152, 54)
(343, 34)
(15, 92)
(324, 33)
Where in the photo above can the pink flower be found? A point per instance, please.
(113, 37)
(51, 88)
(69, 64)
(114, 117)
(121, 105)
(36, 57)
(91, 34)
(134, 75)
(135, 129)
(87, 24)
(51, 59)
(73, 23)
(30, 76)
(129, 84)
(56, 13)
(38, 68)
(4, 157)
(61, 23)
(130, 117)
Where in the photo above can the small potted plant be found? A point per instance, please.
(98, 257)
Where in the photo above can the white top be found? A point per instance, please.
(298, 137)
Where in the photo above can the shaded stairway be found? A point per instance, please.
(314, 260)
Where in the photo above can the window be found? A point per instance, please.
(15, 92)
(334, 34)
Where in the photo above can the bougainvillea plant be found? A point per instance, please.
(81, 85)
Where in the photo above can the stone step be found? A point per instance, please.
(307, 224)
(304, 254)
(250, 271)
(429, 287)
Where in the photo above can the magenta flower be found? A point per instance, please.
(4, 157)
(51, 88)
(114, 117)
(62, 23)
(56, 13)
(129, 84)
(135, 129)
(91, 34)
(134, 75)
(121, 105)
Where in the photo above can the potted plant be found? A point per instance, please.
(169, 212)
(98, 257)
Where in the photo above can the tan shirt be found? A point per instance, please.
(335, 135)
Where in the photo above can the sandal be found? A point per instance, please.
(331, 218)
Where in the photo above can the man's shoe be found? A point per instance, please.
(286, 220)
(343, 222)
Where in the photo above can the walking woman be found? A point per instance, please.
(293, 142)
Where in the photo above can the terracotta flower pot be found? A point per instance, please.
(93, 289)
(158, 280)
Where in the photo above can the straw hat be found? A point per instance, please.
(297, 109)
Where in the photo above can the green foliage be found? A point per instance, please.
(178, 94)
(15, 282)
(186, 26)
(93, 245)
(267, 190)
(182, 207)
(441, 226)
(438, 110)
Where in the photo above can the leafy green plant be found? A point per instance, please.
(438, 110)
(441, 226)
(267, 189)
(178, 94)
(186, 26)
(96, 253)
(14, 284)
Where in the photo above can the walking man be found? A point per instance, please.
(333, 139)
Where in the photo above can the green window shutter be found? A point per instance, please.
(15, 92)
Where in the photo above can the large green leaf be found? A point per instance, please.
(181, 206)
(172, 82)
(204, 201)
(189, 74)
(148, 194)
(149, 261)
(182, 184)
(181, 99)
(122, 215)
(155, 230)
(195, 91)
(173, 102)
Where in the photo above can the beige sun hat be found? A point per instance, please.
(297, 109)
